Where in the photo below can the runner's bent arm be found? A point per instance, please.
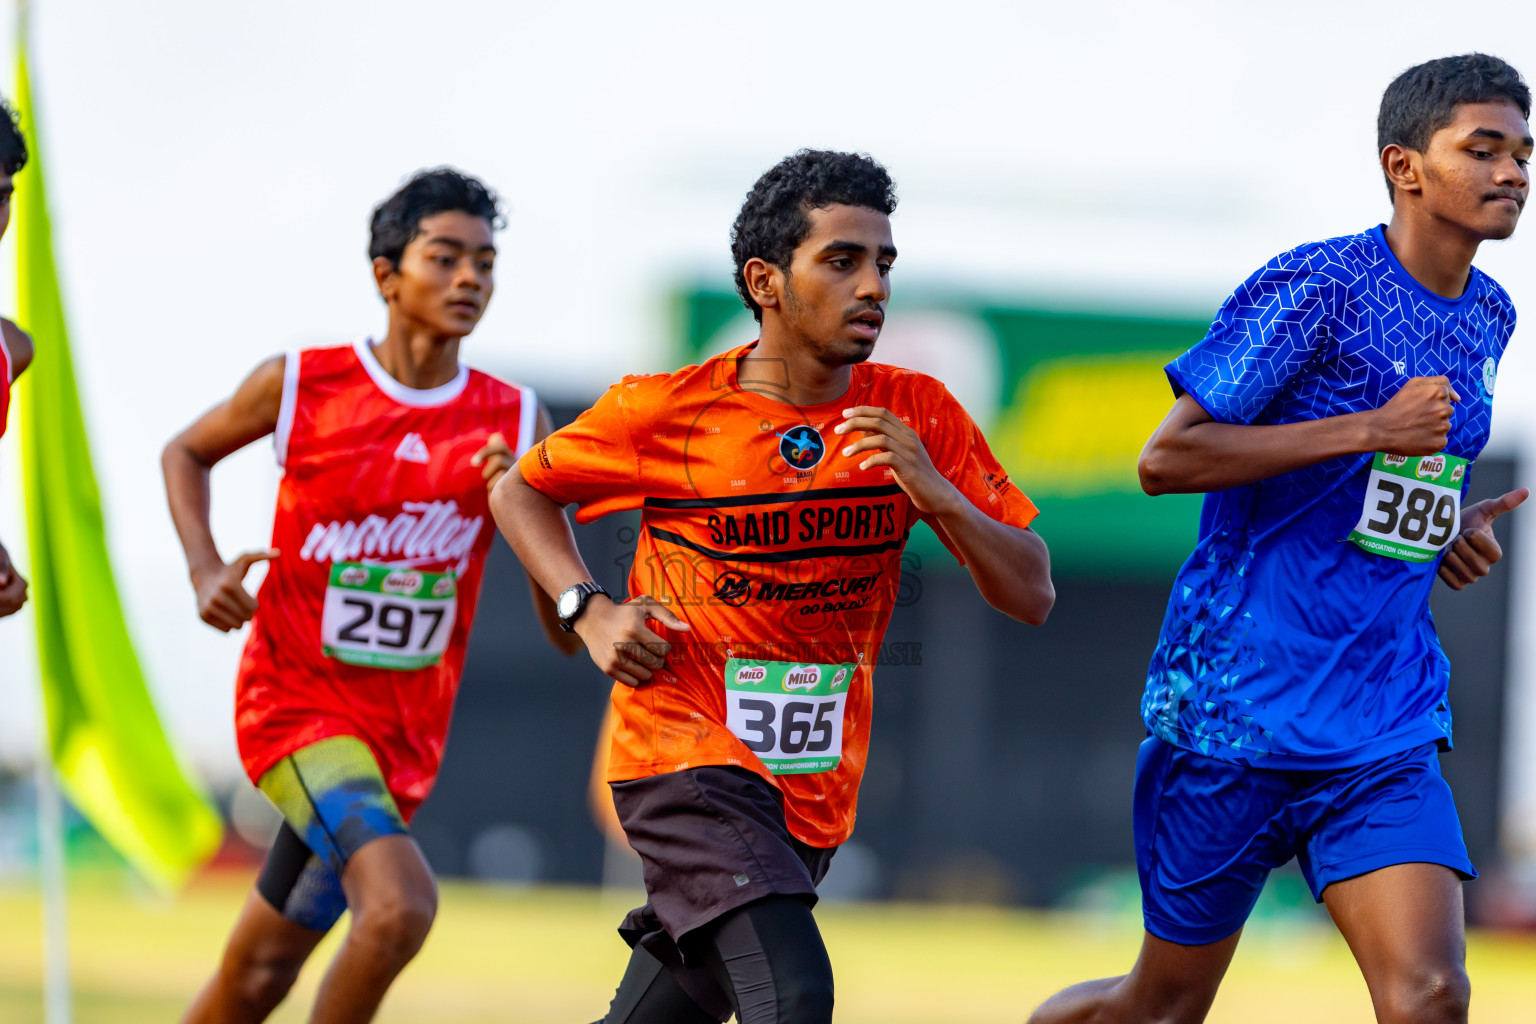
(248, 415)
(1192, 452)
(495, 459)
(616, 635)
(1011, 566)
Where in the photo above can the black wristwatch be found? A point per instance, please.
(573, 601)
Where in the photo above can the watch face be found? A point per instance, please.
(570, 600)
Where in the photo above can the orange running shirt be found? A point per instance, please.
(383, 527)
(781, 554)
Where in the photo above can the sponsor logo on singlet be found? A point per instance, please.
(422, 532)
(733, 588)
(850, 521)
(413, 449)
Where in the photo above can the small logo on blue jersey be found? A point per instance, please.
(1490, 375)
(801, 447)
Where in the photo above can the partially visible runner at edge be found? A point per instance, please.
(388, 450)
(1297, 699)
(15, 344)
(778, 483)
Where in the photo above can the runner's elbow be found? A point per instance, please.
(173, 456)
(1030, 603)
(1156, 470)
(1042, 600)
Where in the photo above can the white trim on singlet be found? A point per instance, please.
(528, 419)
(285, 408)
(420, 397)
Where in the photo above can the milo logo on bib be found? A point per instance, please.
(802, 677)
(790, 715)
(389, 618)
(406, 582)
(1430, 466)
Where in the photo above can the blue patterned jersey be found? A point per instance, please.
(1283, 645)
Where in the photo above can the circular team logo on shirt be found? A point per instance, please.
(1490, 374)
(801, 447)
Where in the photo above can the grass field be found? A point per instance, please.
(550, 956)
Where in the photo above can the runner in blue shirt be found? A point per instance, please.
(1296, 702)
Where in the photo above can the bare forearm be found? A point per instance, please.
(187, 492)
(539, 533)
(1214, 456)
(1011, 567)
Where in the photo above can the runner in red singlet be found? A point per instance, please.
(15, 344)
(388, 449)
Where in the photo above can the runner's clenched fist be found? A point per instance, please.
(222, 600)
(898, 447)
(13, 586)
(1417, 420)
(494, 460)
(621, 643)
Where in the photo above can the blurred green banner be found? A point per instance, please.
(1066, 399)
(113, 757)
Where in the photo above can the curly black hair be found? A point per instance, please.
(775, 219)
(1423, 99)
(13, 145)
(398, 219)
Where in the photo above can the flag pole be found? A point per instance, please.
(51, 850)
(51, 864)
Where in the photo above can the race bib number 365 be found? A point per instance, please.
(1412, 506)
(789, 715)
(387, 618)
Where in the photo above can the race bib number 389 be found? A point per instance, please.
(1412, 506)
(789, 715)
(387, 618)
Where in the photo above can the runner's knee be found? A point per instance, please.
(770, 956)
(806, 999)
(261, 980)
(1430, 996)
(396, 924)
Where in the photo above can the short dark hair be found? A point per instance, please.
(13, 145)
(1423, 99)
(775, 219)
(398, 219)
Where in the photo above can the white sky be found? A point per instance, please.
(212, 167)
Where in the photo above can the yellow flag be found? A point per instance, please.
(114, 760)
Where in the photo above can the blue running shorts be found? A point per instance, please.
(1208, 832)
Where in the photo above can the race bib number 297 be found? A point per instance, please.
(1412, 506)
(388, 618)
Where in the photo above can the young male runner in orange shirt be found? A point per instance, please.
(778, 484)
(347, 683)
